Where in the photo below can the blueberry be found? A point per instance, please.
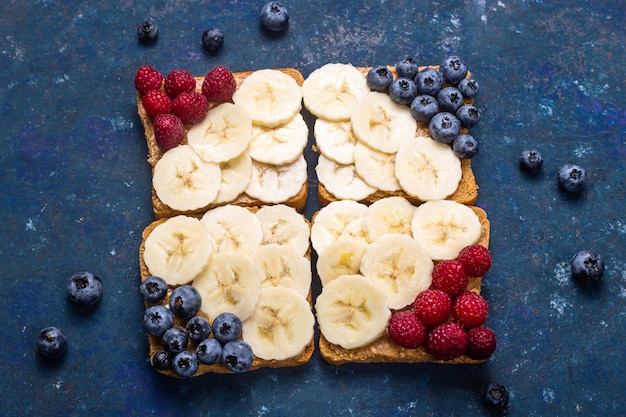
(587, 266)
(153, 289)
(379, 78)
(237, 356)
(402, 90)
(429, 81)
(530, 160)
(84, 288)
(198, 328)
(465, 146)
(226, 327)
(212, 39)
(148, 32)
(496, 396)
(157, 319)
(571, 178)
(274, 16)
(175, 339)
(407, 68)
(453, 69)
(162, 360)
(469, 116)
(450, 99)
(185, 301)
(469, 87)
(185, 364)
(444, 127)
(52, 343)
(424, 107)
(209, 351)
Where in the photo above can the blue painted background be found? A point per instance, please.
(75, 194)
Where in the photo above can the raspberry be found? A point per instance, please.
(470, 309)
(147, 78)
(190, 107)
(406, 330)
(168, 131)
(447, 341)
(219, 85)
(476, 260)
(179, 81)
(482, 342)
(156, 102)
(433, 307)
(450, 277)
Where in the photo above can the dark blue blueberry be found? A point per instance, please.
(407, 68)
(469, 87)
(175, 339)
(379, 78)
(237, 355)
(212, 39)
(185, 301)
(429, 81)
(52, 343)
(444, 127)
(572, 178)
(496, 396)
(185, 364)
(587, 266)
(465, 146)
(274, 16)
(157, 319)
(226, 327)
(84, 288)
(450, 99)
(153, 289)
(198, 328)
(402, 90)
(469, 116)
(148, 32)
(531, 161)
(209, 351)
(424, 107)
(162, 360)
(453, 69)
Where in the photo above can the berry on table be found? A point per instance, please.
(212, 39)
(482, 343)
(274, 16)
(496, 396)
(450, 277)
(469, 116)
(433, 307)
(407, 68)
(52, 343)
(237, 356)
(84, 288)
(465, 146)
(169, 131)
(402, 90)
(469, 87)
(226, 327)
(178, 81)
(185, 301)
(162, 360)
(470, 309)
(209, 351)
(379, 78)
(190, 107)
(531, 161)
(198, 328)
(444, 127)
(572, 178)
(219, 85)
(424, 107)
(450, 99)
(185, 364)
(587, 266)
(476, 260)
(153, 289)
(429, 81)
(147, 78)
(447, 341)
(148, 32)
(406, 329)
(453, 69)
(157, 319)
(156, 102)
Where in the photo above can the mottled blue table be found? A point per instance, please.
(75, 194)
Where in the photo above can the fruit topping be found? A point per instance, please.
(447, 341)
(153, 289)
(212, 39)
(148, 32)
(470, 309)
(496, 396)
(162, 360)
(433, 307)
(175, 339)
(209, 351)
(482, 343)
(429, 81)
(219, 85)
(407, 68)
(52, 343)
(178, 81)
(226, 327)
(147, 78)
(402, 90)
(84, 288)
(198, 328)
(476, 260)
(450, 99)
(572, 178)
(157, 319)
(465, 146)
(379, 78)
(168, 131)
(424, 107)
(444, 127)
(237, 356)
(190, 107)
(453, 69)
(274, 16)
(469, 87)
(406, 329)
(156, 102)
(469, 116)
(530, 161)
(587, 266)
(450, 277)
(185, 301)
(185, 364)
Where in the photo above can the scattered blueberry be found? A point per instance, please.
(453, 69)
(175, 339)
(429, 81)
(209, 351)
(444, 127)
(185, 301)
(587, 266)
(148, 32)
(572, 178)
(157, 319)
(237, 356)
(379, 78)
(84, 288)
(407, 68)
(274, 16)
(450, 99)
(212, 39)
(52, 343)
(469, 116)
(185, 364)
(496, 396)
(469, 87)
(162, 360)
(465, 146)
(226, 327)
(531, 161)
(402, 90)
(153, 289)
(424, 107)
(198, 328)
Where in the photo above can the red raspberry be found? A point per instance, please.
(470, 309)
(168, 131)
(219, 85)
(178, 81)
(406, 330)
(447, 341)
(476, 260)
(482, 342)
(147, 78)
(450, 277)
(433, 307)
(190, 107)
(156, 102)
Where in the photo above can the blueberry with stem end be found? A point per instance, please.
(52, 343)
(530, 161)
(153, 289)
(209, 351)
(402, 90)
(572, 178)
(407, 68)
(157, 319)
(465, 146)
(444, 127)
(379, 78)
(496, 396)
(185, 364)
(148, 32)
(274, 16)
(226, 327)
(84, 288)
(424, 107)
(185, 301)
(587, 266)
(212, 39)
(237, 356)
(429, 81)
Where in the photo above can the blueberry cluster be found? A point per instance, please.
(186, 336)
(438, 97)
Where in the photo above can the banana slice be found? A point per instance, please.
(342, 257)
(236, 175)
(381, 123)
(352, 311)
(342, 181)
(399, 266)
(271, 97)
(283, 225)
(281, 325)
(178, 249)
(272, 184)
(339, 220)
(233, 229)
(388, 215)
(222, 135)
(229, 283)
(335, 140)
(183, 181)
(427, 169)
(331, 91)
(282, 266)
(378, 169)
(445, 227)
(280, 145)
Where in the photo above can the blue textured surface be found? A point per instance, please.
(75, 194)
